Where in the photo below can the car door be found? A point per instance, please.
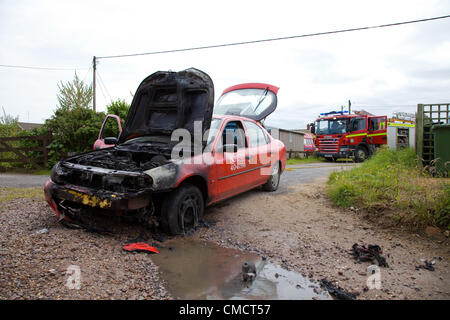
(259, 153)
(377, 130)
(231, 165)
(111, 127)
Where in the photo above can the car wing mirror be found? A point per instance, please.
(110, 140)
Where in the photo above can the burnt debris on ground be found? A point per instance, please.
(371, 253)
(427, 265)
(336, 291)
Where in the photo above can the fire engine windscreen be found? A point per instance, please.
(332, 126)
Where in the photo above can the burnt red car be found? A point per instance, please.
(177, 153)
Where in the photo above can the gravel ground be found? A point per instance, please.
(34, 265)
(296, 228)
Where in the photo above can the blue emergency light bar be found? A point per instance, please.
(333, 112)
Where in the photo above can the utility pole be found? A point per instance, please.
(349, 107)
(94, 67)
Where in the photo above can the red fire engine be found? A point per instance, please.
(343, 135)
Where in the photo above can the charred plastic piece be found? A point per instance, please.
(139, 247)
(361, 253)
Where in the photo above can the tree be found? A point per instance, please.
(74, 94)
(8, 119)
(75, 129)
(119, 107)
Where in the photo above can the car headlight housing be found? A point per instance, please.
(57, 174)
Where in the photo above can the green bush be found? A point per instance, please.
(8, 128)
(75, 130)
(74, 126)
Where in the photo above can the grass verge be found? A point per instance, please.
(393, 181)
(8, 194)
(45, 172)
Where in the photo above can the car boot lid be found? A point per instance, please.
(251, 100)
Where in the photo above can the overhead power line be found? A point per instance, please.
(275, 39)
(104, 86)
(40, 68)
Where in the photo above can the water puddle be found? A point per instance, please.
(203, 270)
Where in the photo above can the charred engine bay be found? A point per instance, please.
(134, 159)
(118, 169)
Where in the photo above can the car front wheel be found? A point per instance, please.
(182, 209)
(274, 180)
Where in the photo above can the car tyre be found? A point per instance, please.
(274, 180)
(182, 209)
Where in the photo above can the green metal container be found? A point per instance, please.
(441, 134)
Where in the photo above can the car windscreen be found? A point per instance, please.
(213, 130)
(331, 126)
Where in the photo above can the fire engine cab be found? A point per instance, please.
(343, 135)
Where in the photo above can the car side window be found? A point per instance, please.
(233, 133)
(255, 134)
(111, 128)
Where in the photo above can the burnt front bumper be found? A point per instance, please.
(102, 199)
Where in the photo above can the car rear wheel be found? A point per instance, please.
(274, 180)
(182, 209)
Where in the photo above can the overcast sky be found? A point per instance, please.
(379, 70)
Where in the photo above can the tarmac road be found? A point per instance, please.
(307, 173)
(294, 174)
(10, 180)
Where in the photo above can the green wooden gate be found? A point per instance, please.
(427, 116)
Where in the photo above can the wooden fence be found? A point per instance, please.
(5, 146)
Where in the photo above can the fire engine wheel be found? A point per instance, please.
(274, 180)
(361, 154)
(182, 209)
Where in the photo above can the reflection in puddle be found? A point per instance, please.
(203, 270)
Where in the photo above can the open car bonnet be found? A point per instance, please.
(168, 100)
(251, 100)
